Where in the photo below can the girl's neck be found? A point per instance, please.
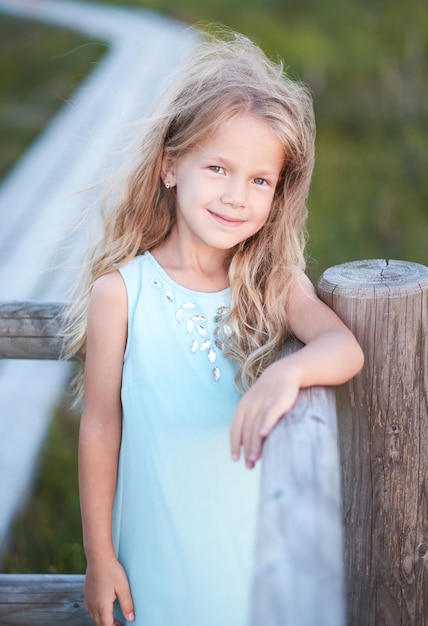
(192, 269)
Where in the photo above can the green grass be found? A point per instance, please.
(366, 63)
(47, 536)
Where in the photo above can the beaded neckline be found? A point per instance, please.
(194, 323)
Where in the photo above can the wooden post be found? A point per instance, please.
(299, 576)
(42, 600)
(383, 432)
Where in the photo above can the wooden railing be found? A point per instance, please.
(299, 577)
(42, 600)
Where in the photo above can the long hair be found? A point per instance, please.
(223, 78)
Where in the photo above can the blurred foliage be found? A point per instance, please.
(40, 67)
(366, 63)
(47, 536)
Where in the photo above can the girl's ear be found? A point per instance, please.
(168, 170)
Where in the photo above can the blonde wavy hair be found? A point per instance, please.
(225, 77)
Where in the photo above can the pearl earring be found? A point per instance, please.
(167, 185)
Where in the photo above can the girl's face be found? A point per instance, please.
(226, 184)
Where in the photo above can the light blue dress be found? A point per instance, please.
(185, 513)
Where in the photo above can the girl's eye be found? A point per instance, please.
(216, 168)
(260, 181)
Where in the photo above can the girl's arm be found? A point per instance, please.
(100, 435)
(331, 356)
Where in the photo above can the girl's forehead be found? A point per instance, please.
(244, 132)
(243, 127)
(240, 122)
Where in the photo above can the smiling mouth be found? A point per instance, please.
(226, 221)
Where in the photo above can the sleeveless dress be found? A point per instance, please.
(184, 514)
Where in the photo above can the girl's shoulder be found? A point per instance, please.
(107, 311)
(108, 288)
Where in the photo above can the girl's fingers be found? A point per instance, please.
(256, 443)
(236, 435)
(247, 438)
(250, 426)
(124, 598)
(255, 429)
(244, 433)
(259, 410)
(261, 429)
(270, 421)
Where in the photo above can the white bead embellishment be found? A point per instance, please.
(193, 323)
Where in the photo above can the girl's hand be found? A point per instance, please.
(103, 584)
(330, 356)
(260, 408)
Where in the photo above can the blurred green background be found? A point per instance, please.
(366, 63)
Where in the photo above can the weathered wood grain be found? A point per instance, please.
(383, 433)
(30, 330)
(299, 575)
(42, 600)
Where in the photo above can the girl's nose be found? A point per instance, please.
(235, 194)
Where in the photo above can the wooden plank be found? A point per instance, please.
(299, 575)
(42, 600)
(30, 330)
(383, 432)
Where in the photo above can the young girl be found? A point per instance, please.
(196, 285)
